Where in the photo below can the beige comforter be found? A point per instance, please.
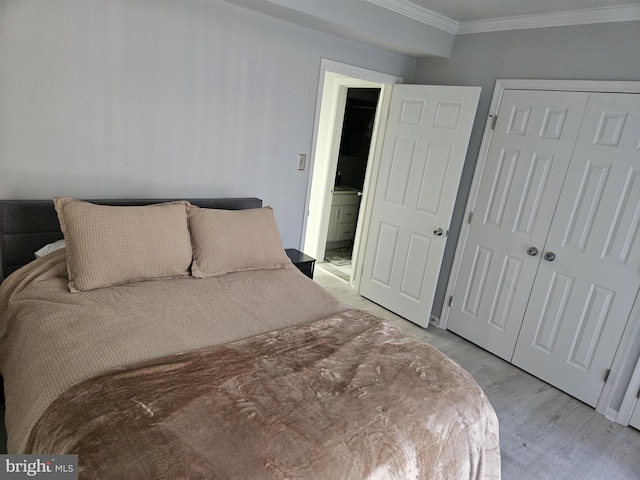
(308, 388)
(52, 339)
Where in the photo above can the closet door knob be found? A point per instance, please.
(438, 231)
(533, 251)
(549, 256)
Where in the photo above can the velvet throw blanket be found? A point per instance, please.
(346, 397)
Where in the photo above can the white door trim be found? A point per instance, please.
(633, 326)
(334, 80)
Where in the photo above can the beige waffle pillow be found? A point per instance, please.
(227, 241)
(110, 245)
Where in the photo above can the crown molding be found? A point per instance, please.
(411, 10)
(623, 13)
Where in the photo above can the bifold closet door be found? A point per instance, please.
(521, 181)
(589, 275)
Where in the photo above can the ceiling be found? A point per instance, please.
(471, 16)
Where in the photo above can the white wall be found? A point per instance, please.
(163, 98)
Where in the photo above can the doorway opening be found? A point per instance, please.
(349, 178)
(334, 82)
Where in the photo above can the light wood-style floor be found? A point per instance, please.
(544, 433)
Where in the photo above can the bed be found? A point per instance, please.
(234, 366)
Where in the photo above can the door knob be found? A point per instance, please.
(533, 251)
(438, 231)
(549, 256)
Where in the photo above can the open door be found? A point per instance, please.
(423, 152)
(335, 81)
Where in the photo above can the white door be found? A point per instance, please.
(425, 144)
(589, 277)
(528, 157)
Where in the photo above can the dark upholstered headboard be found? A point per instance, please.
(28, 225)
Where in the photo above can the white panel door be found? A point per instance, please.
(589, 277)
(521, 181)
(423, 153)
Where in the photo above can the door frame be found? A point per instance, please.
(630, 340)
(334, 81)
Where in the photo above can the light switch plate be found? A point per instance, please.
(302, 161)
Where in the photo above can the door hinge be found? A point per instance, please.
(638, 396)
(470, 217)
(606, 375)
(450, 300)
(494, 119)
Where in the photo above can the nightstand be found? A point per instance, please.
(305, 263)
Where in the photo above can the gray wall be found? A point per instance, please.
(163, 98)
(591, 52)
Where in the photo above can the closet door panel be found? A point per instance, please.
(581, 300)
(519, 188)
